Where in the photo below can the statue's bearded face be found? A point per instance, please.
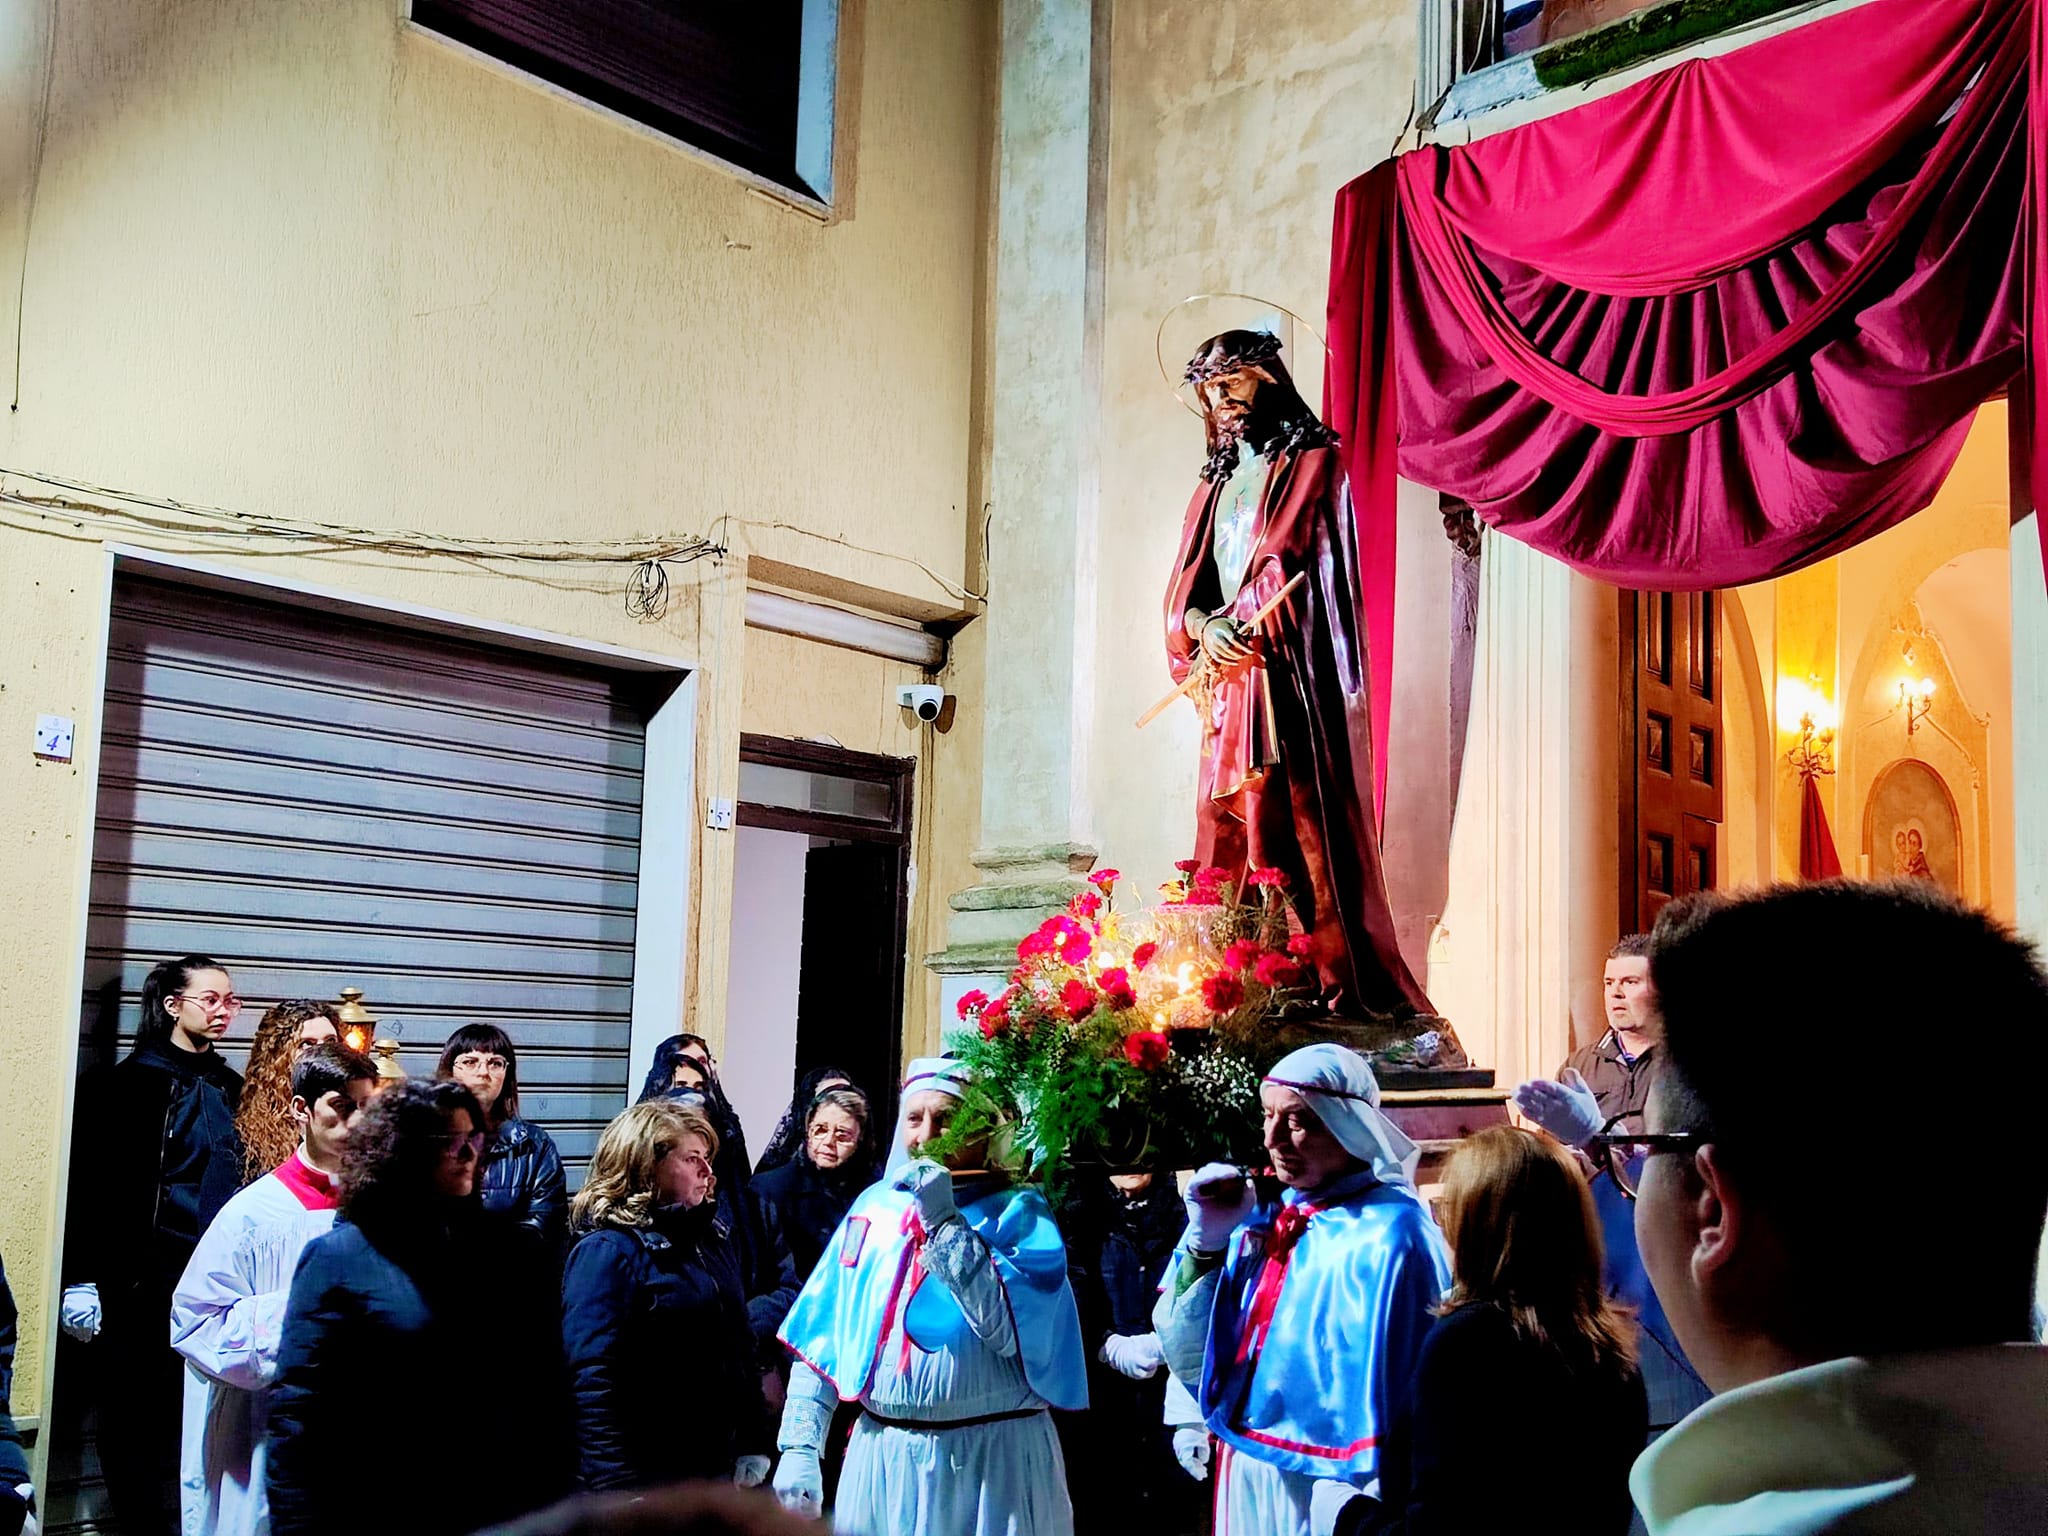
(1230, 400)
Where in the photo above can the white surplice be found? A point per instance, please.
(227, 1317)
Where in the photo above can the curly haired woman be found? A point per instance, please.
(264, 1121)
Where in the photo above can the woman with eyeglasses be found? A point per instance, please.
(802, 1202)
(522, 1170)
(654, 1313)
(154, 1157)
(413, 1280)
(1528, 1408)
(791, 1130)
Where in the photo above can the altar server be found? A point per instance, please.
(1303, 1321)
(227, 1314)
(942, 1307)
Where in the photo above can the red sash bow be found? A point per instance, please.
(914, 1275)
(1288, 1226)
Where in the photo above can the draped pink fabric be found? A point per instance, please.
(1817, 857)
(1714, 327)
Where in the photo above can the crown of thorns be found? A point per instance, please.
(1209, 364)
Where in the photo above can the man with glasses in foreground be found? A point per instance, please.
(227, 1314)
(1861, 1297)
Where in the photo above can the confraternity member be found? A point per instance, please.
(1303, 1322)
(942, 1306)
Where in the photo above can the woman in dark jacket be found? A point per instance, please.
(522, 1171)
(1528, 1381)
(389, 1313)
(677, 1061)
(790, 1130)
(154, 1157)
(654, 1314)
(1121, 1230)
(801, 1203)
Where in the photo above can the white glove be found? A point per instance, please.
(1191, 1450)
(79, 1312)
(1324, 1503)
(1565, 1108)
(800, 1483)
(750, 1471)
(1134, 1355)
(930, 1188)
(1219, 1198)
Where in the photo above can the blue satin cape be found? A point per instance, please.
(836, 1325)
(1346, 1333)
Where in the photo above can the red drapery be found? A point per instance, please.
(1709, 329)
(1817, 858)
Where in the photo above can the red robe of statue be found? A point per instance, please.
(1286, 775)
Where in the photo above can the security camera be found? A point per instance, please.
(924, 698)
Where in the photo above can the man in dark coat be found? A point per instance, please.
(1286, 774)
(1120, 1231)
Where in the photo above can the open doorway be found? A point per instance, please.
(820, 921)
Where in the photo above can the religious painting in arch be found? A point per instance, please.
(1911, 830)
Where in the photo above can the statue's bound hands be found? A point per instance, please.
(1226, 642)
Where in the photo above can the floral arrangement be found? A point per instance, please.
(1135, 1042)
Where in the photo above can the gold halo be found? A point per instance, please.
(1159, 336)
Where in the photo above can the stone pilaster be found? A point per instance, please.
(1046, 375)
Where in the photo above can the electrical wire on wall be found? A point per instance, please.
(78, 509)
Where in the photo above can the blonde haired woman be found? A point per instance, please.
(653, 1301)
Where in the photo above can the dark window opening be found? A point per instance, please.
(725, 76)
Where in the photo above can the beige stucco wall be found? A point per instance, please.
(302, 259)
(1232, 127)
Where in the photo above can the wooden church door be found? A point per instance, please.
(1671, 749)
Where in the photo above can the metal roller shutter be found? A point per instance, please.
(320, 802)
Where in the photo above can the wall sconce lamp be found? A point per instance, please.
(1916, 699)
(1813, 754)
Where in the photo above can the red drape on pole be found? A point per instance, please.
(1817, 860)
(1714, 327)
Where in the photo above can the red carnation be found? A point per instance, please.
(1075, 946)
(1242, 955)
(1142, 955)
(1147, 1050)
(995, 1018)
(1187, 866)
(970, 1002)
(1078, 998)
(1116, 986)
(1266, 874)
(1276, 970)
(1085, 903)
(1105, 878)
(1300, 945)
(1212, 875)
(1035, 943)
(1223, 992)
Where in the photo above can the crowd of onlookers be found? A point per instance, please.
(284, 1273)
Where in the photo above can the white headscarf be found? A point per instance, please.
(1340, 1088)
(928, 1074)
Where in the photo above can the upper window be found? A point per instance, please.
(750, 82)
(1482, 54)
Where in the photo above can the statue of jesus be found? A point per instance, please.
(1286, 773)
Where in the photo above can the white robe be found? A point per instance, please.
(227, 1317)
